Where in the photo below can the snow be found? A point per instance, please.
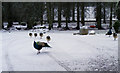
(92, 32)
(19, 26)
(84, 27)
(68, 53)
(15, 23)
(38, 26)
(5, 24)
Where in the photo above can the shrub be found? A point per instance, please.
(116, 26)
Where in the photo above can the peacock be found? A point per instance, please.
(48, 38)
(115, 36)
(109, 32)
(39, 45)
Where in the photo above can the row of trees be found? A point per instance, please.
(32, 12)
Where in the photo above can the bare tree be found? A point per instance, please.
(78, 17)
(59, 15)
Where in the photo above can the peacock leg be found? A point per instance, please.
(38, 52)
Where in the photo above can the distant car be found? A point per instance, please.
(92, 26)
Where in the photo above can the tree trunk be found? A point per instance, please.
(73, 12)
(41, 19)
(66, 23)
(82, 14)
(9, 24)
(47, 5)
(118, 11)
(104, 19)
(49, 16)
(67, 15)
(59, 15)
(111, 15)
(9, 19)
(30, 24)
(78, 17)
(41, 16)
(67, 11)
(52, 12)
(99, 16)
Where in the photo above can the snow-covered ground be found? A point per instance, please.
(68, 53)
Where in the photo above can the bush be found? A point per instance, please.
(29, 27)
(118, 10)
(35, 23)
(18, 28)
(2, 26)
(116, 26)
(24, 24)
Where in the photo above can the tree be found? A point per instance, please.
(59, 15)
(49, 16)
(82, 14)
(10, 15)
(98, 16)
(104, 19)
(73, 12)
(66, 13)
(7, 13)
(104, 12)
(118, 10)
(53, 5)
(41, 13)
(111, 6)
(78, 17)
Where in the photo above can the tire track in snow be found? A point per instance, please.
(59, 62)
(7, 59)
(8, 62)
(98, 48)
(64, 62)
(71, 66)
(67, 64)
(6, 51)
